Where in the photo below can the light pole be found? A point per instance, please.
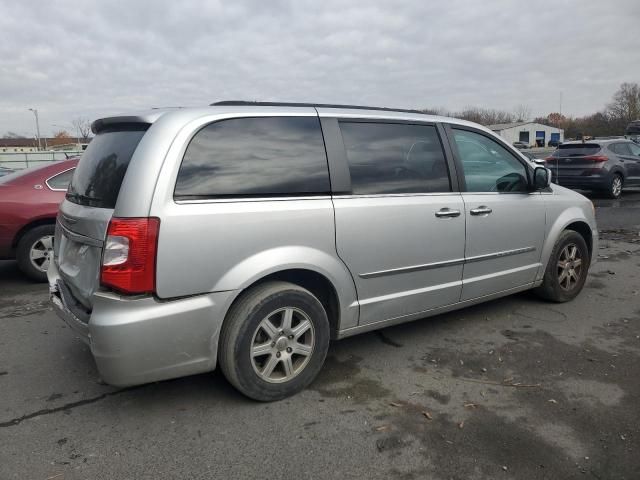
(35, 112)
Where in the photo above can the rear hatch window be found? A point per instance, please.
(99, 175)
(577, 150)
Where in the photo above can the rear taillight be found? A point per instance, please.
(595, 158)
(129, 257)
(550, 159)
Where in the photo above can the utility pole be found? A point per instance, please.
(35, 112)
(560, 103)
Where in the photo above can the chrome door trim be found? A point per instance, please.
(413, 268)
(392, 195)
(240, 199)
(505, 253)
(447, 263)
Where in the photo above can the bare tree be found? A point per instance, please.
(522, 113)
(625, 106)
(13, 135)
(484, 116)
(436, 111)
(82, 127)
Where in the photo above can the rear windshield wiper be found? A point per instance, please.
(82, 198)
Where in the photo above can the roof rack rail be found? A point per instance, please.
(239, 103)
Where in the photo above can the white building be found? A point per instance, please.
(533, 134)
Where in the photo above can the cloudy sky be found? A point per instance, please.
(92, 58)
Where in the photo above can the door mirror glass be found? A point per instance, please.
(541, 178)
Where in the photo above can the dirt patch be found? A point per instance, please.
(343, 379)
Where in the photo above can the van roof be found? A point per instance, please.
(261, 108)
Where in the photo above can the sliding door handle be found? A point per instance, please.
(482, 210)
(447, 213)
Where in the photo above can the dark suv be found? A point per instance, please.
(604, 165)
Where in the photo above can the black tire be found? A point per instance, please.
(612, 191)
(551, 289)
(241, 326)
(23, 252)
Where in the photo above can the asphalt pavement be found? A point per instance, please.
(516, 388)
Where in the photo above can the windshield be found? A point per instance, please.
(99, 175)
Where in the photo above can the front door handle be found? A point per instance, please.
(447, 213)
(482, 210)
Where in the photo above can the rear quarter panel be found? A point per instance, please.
(227, 245)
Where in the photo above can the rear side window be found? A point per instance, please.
(60, 181)
(621, 148)
(99, 175)
(577, 150)
(267, 156)
(387, 158)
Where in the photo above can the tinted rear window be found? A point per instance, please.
(268, 156)
(98, 177)
(386, 158)
(577, 150)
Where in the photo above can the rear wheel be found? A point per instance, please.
(35, 252)
(567, 268)
(615, 186)
(274, 341)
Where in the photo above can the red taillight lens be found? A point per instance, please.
(550, 159)
(129, 257)
(595, 158)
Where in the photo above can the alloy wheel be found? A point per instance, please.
(616, 186)
(569, 267)
(282, 345)
(41, 252)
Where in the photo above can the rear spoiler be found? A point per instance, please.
(134, 121)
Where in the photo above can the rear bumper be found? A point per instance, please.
(586, 182)
(144, 339)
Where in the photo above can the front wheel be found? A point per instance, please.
(35, 252)
(567, 268)
(274, 341)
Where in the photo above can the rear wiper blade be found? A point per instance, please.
(79, 196)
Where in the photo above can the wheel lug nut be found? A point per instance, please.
(278, 354)
(289, 350)
(290, 337)
(273, 344)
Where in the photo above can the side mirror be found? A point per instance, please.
(541, 178)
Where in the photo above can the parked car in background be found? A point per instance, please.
(554, 143)
(5, 171)
(29, 201)
(602, 165)
(521, 145)
(248, 235)
(632, 131)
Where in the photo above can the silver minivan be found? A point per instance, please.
(250, 234)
